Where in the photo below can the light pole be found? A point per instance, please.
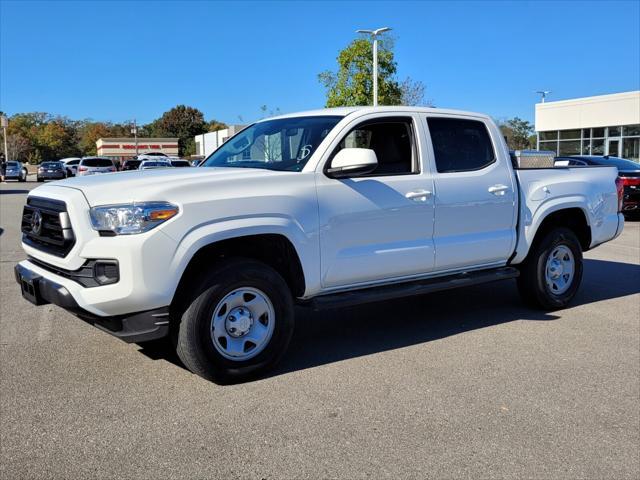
(543, 94)
(374, 36)
(4, 121)
(134, 130)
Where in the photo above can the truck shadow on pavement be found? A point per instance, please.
(333, 335)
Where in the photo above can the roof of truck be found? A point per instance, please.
(344, 111)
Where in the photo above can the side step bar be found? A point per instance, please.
(420, 287)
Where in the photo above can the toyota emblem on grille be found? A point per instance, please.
(36, 222)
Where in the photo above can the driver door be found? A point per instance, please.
(378, 226)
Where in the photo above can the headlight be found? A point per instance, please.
(132, 218)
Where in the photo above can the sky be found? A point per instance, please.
(119, 60)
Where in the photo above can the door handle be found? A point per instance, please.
(498, 190)
(418, 195)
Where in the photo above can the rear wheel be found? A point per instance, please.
(40, 179)
(552, 273)
(239, 323)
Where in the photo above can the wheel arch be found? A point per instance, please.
(273, 249)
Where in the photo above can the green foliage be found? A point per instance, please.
(39, 136)
(518, 133)
(352, 84)
(182, 122)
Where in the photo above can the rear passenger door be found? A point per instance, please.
(475, 194)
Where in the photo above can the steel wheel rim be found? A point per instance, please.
(242, 324)
(559, 270)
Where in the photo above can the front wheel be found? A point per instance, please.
(40, 179)
(551, 274)
(239, 323)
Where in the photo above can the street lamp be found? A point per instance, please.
(134, 131)
(374, 36)
(4, 122)
(543, 94)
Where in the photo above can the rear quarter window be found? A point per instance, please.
(460, 145)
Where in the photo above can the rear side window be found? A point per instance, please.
(460, 145)
(97, 162)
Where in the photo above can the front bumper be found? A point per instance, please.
(132, 328)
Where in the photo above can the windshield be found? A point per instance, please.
(281, 144)
(156, 164)
(180, 163)
(12, 164)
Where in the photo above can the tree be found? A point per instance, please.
(182, 122)
(89, 134)
(17, 147)
(352, 84)
(215, 125)
(518, 133)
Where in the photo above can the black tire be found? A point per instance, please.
(40, 179)
(532, 282)
(194, 344)
(22, 178)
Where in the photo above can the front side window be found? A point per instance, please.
(391, 139)
(460, 145)
(284, 144)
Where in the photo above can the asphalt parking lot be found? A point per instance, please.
(459, 384)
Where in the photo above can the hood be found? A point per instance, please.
(154, 184)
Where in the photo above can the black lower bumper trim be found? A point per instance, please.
(132, 328)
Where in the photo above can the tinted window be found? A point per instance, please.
(156, 164)
(460, 145)
(133, 163)
(391, 140)
(51, 164)
(73, 162)
(180, 163)
(97, 162)
(12, 164)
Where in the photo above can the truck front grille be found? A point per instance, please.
(46, 226)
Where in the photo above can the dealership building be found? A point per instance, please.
(207, 143)
(120, 149)
(601, 125)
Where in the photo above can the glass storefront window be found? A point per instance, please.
(631, 130)
(631, 149)
(614, 131)
(586, 147)
(570, 148)
(569, 134)
(586, 133)
(549, 146)
(597, 147)
(549, 135)
(598, 133)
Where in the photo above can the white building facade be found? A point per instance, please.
(207, 143)
(601, 125)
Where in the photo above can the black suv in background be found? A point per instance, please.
(628, 171)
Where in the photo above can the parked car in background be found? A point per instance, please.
(152, 156)
(628, 171)
(196, 163)
(159, 163)
(179, 162)
(71, 165)
(51, 171)
(132, 164)
(95, 165)
(16, 171)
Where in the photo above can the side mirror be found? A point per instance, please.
(350, 162)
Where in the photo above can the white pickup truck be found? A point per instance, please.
(324, 208)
